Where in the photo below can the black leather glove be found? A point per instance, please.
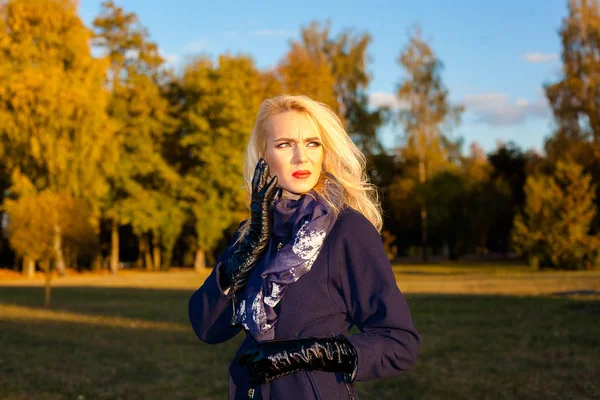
(234, 271)
(271, 360)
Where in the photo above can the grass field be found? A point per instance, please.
(488, 333)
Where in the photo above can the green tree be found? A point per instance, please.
(426, 112)
(554, 228)
(219, 105)
(54, 131)
(509, 172)
(144, 187)
(488, 199)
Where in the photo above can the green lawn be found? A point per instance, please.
(104, 342)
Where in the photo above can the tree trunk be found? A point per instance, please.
(114, 247)
(167, 256)
(71, 257)
(200, 260)
(483, 242)
(67, 256)
(144, 248)
(156, 252)
(47, 287)
(424, 252)
(97, 263)
(139, 261)
(58, 251)
(422, 179)
(28, 267)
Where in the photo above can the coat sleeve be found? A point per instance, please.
(388, 342)
(209, 308)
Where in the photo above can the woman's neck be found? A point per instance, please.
(289, 195)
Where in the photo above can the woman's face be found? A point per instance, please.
(294, 152)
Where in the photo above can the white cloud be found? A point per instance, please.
(538, 58)
(231, 35)
(522, 102)
(380, 99)
(496, 109)
(275, 33)
(196, 46)
(171, 59)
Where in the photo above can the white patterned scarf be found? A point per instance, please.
(301, 226)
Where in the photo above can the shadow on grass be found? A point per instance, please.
(160, 305)
(493, 347)
(577, 293)
(412, 272)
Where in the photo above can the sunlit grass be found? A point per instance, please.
(495, 279)
(498, 278)
(26, 314)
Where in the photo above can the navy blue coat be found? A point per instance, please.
(351, 283)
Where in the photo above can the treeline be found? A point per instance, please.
(108, 156)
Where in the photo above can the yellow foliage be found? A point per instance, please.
(428, 110)
(53, 122)
(308, 74)
(35, 219)
(554, 228)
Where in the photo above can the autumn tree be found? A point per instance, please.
(306, 68)
(554, 228)
(427, 111)
(144, 187)
(334, 70)
(575, 99)
(5, 250)
(33, 231)
(219, 101)
(54, 131)
(46, 226)
(349, 57)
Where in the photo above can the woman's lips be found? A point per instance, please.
(301, 174)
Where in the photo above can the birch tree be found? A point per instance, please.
(426, 111)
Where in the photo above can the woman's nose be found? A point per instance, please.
(300, 156)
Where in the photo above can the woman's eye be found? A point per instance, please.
(287, 144)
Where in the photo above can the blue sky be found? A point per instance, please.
(497, 55)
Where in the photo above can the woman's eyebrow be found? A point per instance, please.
(310, 139)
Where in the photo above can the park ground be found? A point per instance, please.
(494, 331)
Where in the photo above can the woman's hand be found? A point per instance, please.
(271, 360)
(234, 272)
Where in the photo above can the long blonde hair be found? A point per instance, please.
(342, 158)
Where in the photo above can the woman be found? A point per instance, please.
(305, 267)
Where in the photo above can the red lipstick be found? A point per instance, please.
(301, 174)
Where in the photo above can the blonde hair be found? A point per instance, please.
(342, 158)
